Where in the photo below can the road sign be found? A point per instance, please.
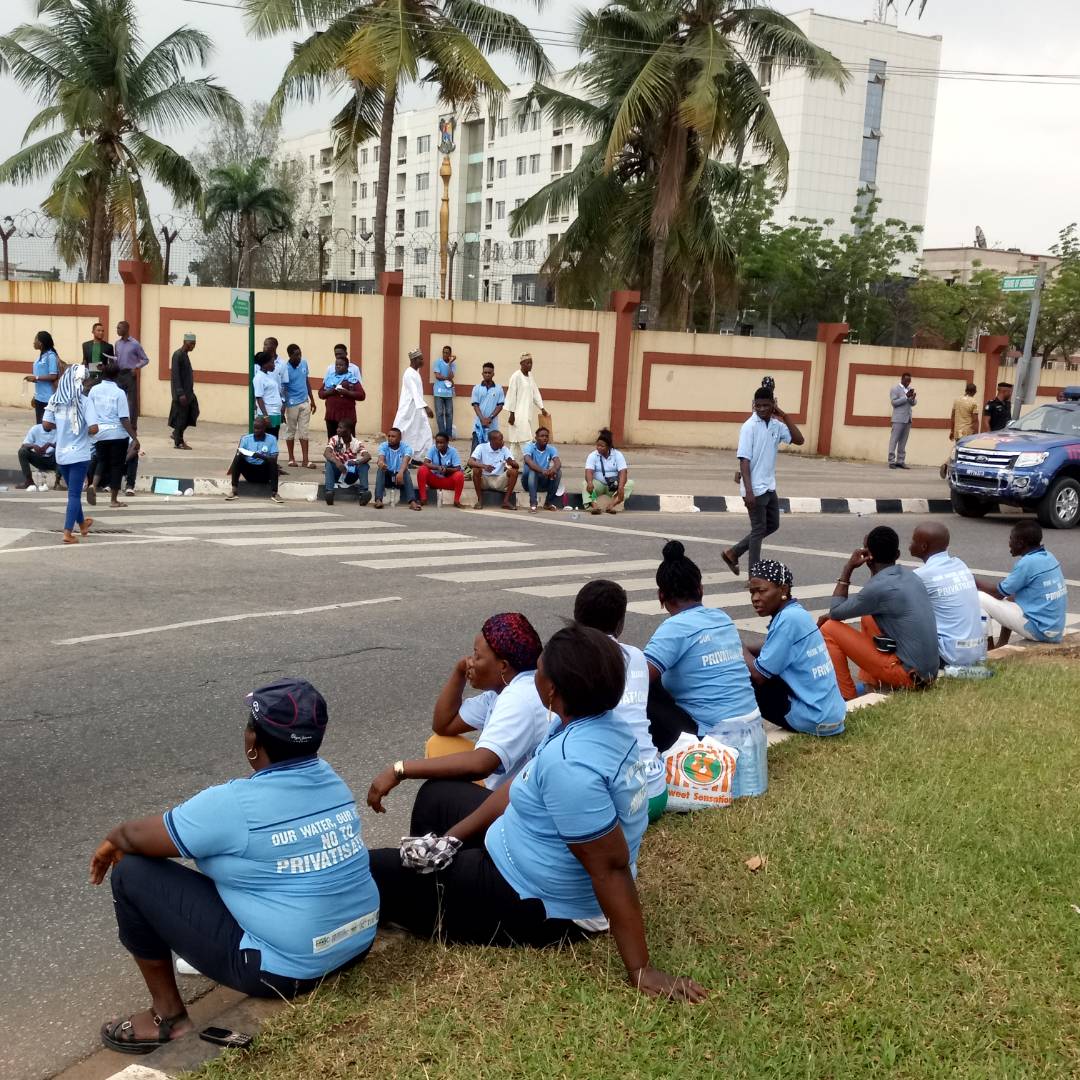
(1019, 283)
(240, 307)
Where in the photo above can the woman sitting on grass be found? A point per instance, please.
(560, 842)
(699, 680)
(793, 677)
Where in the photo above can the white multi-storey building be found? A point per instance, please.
(874, 136)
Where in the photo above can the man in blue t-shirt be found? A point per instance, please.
(443, 373)
(256, 460)
(487, 402)
(38, 451)
(299, 406)
(392, 470)
(1032, 600)
(543, 469)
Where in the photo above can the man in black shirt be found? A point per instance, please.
(999, 409)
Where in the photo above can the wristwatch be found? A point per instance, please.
(399, 769)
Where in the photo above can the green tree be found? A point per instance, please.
(103, 94)
(377, 48)
(242, 197)
(671, 88)
(959, 312)
(1059, 315)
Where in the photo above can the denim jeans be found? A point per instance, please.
(444, 416)
(74, 475)
(385, 479)
(535, 483)
(332, 474)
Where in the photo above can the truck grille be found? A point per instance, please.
(985, 459)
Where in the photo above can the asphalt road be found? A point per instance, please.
(100, 728)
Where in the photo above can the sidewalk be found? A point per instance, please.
(703, 474)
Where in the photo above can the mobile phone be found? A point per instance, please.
(238, 1040)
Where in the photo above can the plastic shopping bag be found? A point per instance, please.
(700, 773)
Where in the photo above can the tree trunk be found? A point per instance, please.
(247, 251)
(386, 142)
(656, 280)
(102, 243)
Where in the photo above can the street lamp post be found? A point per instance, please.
(446, 148)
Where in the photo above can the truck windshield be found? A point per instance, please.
(1051, 419)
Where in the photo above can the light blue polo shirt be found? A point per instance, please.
(699, 655)
(486, 454)
(268, 445)
(544, 457)
(451, 459)
(71, 448)
(632, 711)
(295, 383)
(584, 781)
(759, 443)
(955, 600)
(1038, 586)
(111, 406)
(441, 370)
(47, 363)
(38, 436)
(394, 458)
(511, 723)
(285, 849)
(795, 651)
(489, 398)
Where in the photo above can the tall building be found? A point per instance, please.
(959, 263)
(874, 136)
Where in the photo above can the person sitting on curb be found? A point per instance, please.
(699, 680)
(442, 470)
(392, 470)
(543, 469)
(508, 714)
(550, 858)
(791, 672)
(897, 644)
(953, 595)
(605, 476)
(347, 461)
(1032, 601)
(602, 605)
(272, 908)
(256, 460)
(493, 469)
(38, 451)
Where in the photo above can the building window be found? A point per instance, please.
(553, 239)
(500, 169)
(521, 166)
(420, 256)
(486, 291)
(399, 258)
(517, 250)
(399, 221)
(401, 183)
(375, 154)
(530, 250)
(500, 210)
(504, 126)
(534, 163)
(496, 291)
(352, 261)
(492, 121)
(534, 120)
(326, 157)
(487, 211)
(490, 169)
(423, 144)
(355, 186)
(363, 155)
(420, 292)
(764, 72)
(361, 258)
(326, 192)
(868, 160)
(561, 159)
(363, 191)
(402, 148)
(421, 219)
(530, 293)
(362, 224)
(422, 181)
(518, 202)
(311, 162)
(518, 292)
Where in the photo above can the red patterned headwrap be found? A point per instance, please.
(512, 638)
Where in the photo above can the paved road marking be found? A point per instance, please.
(737, 599)
(268, 529)
(459, 546)
(93, 542)
(643, 584)
(486, 555)
(188, 506)
(225, 619)
(362, 545)
(11, 536)
(272, 514)
(543, 571)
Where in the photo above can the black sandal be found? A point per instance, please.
(732, 564)
(112, 1035)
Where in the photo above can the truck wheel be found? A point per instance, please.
(969, 506)
(1059, 508)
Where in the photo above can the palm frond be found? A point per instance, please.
(38, 159)
(650, 99)
(269, 17)
(492, 30)
(360, 119)
(184, 102)
(163, 64)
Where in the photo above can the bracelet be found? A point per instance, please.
(399, 769)
(842, 581)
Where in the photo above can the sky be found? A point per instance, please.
(1005, 156)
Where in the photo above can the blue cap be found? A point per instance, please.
(290, 711)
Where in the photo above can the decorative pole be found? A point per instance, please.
(446, 148)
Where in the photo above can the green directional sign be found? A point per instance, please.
(1019, 283)
(240, 307)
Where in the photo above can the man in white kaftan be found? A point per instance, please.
(413, 412)
(522, 398)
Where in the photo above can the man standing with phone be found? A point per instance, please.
(443, 374)
(902, 399)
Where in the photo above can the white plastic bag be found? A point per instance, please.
(700, 773)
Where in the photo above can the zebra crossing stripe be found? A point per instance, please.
(356, 527)
(488, 556)
(738, 599)
(363, 545)
(206, 519)
(643, 584)
(588, 569)
(466, 543)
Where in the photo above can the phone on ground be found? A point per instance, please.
(238, 1040)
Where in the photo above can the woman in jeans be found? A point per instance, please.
(70, 413)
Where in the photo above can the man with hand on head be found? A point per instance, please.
(897, 644)
(493, 469)
(902, 398)
(443, 373)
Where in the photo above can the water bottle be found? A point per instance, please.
(973, 671)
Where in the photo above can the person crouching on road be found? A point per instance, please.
(551, 857)
(346, 461)
(256, 460)
(283, 894)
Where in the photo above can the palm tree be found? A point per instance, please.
(672, 90)
(85, 64)
(239, 196)
(377, 48)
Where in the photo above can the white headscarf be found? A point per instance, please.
(69, 397)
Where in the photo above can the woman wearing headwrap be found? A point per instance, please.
(70, 413)
(791, 671)
(507, 713)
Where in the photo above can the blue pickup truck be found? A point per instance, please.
(1034, 463)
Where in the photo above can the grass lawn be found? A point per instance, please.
(914, 919)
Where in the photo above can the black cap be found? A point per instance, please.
(290, 711)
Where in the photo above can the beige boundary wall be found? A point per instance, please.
(595, 370)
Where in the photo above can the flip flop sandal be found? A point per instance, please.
(310, 465)
(117, 1035)
(84, 528)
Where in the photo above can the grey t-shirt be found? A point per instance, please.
(898, 600)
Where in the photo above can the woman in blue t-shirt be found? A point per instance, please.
(699, 679)
(560, 842)
(285, 895)
(46, 372)
(793, 677)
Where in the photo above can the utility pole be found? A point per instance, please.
(5, 236)
(1027, 378)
